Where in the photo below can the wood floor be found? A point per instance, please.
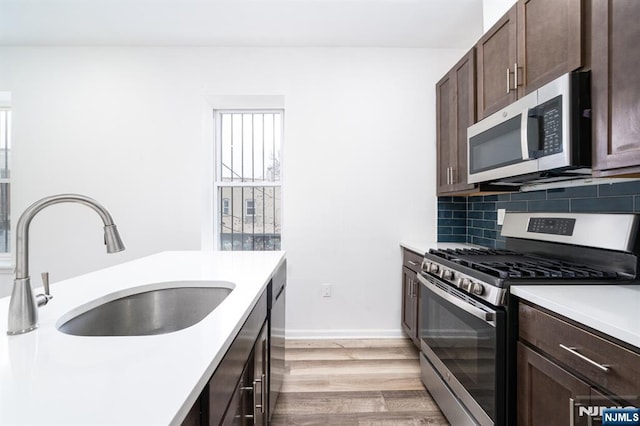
(354, 382)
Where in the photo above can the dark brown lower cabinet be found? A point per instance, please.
(547, 394)
(248, 404)
(409, 303)
(411, 294)
(237, 393)
(566, 374)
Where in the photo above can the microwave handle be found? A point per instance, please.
(524, 134)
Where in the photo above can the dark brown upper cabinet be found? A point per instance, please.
(615, 59)
(455, 111)
(535, 42)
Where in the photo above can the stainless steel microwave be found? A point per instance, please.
(544, 136)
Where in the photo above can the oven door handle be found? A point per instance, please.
(485, 316)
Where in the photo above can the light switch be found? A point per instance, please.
(501, 213)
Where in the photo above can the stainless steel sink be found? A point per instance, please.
(147, 313)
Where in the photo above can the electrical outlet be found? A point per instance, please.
(501, 213)
(326, 290)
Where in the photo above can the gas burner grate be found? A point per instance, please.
(508, 264)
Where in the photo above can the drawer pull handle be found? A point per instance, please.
(573, 351)
(412, 263)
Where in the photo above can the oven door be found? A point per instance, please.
(464, 341)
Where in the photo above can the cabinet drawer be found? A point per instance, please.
(411, 260)
(548, 333)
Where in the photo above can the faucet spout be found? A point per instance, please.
(23, 311)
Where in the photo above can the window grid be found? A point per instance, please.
(248, 179)
(5, 175)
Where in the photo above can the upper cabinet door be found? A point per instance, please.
(549, 41)
(535, 42)
(615, 82)
(496, 56)
(455, 112)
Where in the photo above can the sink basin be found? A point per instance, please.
(147, 312)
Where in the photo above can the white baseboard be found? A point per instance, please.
(344, 334)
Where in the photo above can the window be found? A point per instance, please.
(248, 179)
(250, 208)
(5, 150)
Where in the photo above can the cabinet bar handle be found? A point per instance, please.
(453, 176)
(263, 395)
(571, 413)
(508, 82)
(515, 76)
(573, 351)
(412, 263)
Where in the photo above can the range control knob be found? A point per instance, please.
(425, 265)
(465, 284)
(433, 268)
(447, 274)
(477, 288)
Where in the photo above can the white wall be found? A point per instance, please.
(492, 10)
(125, 126)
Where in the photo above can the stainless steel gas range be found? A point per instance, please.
(467, 332)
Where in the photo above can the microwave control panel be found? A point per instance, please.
(550, 120)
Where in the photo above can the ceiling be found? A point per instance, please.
(361, 23)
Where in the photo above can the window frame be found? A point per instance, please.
(6, 258)
(247, 208)
(217, 172)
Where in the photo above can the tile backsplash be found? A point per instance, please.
(473, 219)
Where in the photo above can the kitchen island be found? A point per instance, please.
(48, 377)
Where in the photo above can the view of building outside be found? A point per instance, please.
(248, 181)
(5, 149)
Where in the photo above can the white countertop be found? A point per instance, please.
(610, 309)
(47, 377)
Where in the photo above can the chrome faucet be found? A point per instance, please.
(23, 307)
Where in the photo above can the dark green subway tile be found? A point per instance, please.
(531, 195)
(475, 214)
(458, 206)
(459, 230)
(604, 204)
(478, 232)
(484, 206)
(491, 215)
(513, 206)
(459, 214)
(444, 230)
(492, 197)
(490, 234)
(549, 206)
(452, 239)
(623, 188)
(445, 214)
(452, 222)
(500, 244)
(590, 191)
(504, 197)
(486, 224)
(636, 203)
(445, 199)
(459, 199)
